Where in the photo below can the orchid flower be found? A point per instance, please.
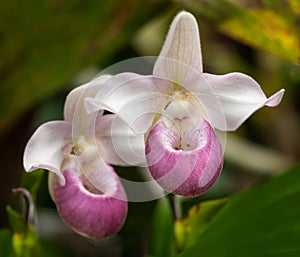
(179, 108)
(77, 151)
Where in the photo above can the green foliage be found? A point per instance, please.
(270, 26)
(191, 228)
(23, 241)
(16, 220)
(261, 222)
(32, 181)
(5, 243)
(26, 245)
(266, 30)
(162, 234)
(46, 43)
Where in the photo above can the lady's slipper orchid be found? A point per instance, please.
(177, 108)
(79, 158)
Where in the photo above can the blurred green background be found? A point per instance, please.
(49, 47)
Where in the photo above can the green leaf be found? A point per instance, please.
(16, 220)
(274, 30)
(26, 245)
(267, 30)
(46, 43)
(24, 239)
(162, 234)
(32, 181)
(190, 229)
(262, 222)
(5, 243)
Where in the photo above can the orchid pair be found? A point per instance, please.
(173, 116)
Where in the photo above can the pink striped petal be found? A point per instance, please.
(187, 165)
(88, 211)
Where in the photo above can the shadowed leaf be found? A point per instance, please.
(44, 44)
(5, 243)
(162, 234)
(262, 222)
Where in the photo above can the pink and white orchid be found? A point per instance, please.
(179, 107)
(77, 152)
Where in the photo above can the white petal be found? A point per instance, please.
(118, 144)
(275, 99)
(72, 101)
(75, 111)
(75, 98)
(136, 99)
(46, 147)
(181, 48)
(228, 100)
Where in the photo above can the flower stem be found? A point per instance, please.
(175, 205)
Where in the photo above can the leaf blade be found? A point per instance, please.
(261, 222)
(162, 236)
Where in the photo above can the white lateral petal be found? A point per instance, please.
(140, 112)
(275, 99)
(118, 144)
(228, 100)
(181, 45)
(136, 99)
(72, 101)
(75, 111)
(123, 88)
(45, 149)
(75, 98)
